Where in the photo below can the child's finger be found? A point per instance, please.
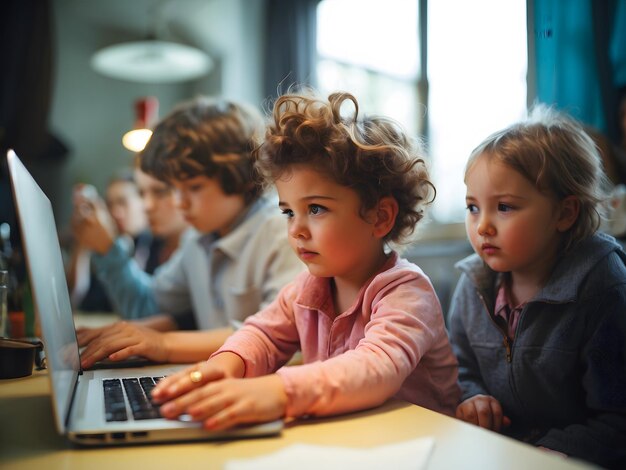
(185, 381)
(100, 349)
(496, 413)
(211, 403)
(85, 336)
(164, 385)
(228, 417)
(483, 411)
(467, 412)
(182, 403)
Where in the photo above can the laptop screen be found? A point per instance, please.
(48, 285)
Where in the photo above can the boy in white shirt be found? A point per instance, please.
(233, 265)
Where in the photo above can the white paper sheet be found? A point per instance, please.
(413, 455)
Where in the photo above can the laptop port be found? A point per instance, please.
(87, 437)
(118, 435)
(139, 434)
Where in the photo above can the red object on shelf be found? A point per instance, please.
(146, 112)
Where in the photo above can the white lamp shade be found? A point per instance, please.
(151, 61)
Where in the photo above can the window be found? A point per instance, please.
(357, 45)
(476, 61)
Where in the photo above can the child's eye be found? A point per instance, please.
(472, 208)
(504, 207)
(287, 213)
(316, 209)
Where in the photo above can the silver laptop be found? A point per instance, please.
(82, 412)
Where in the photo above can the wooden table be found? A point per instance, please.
(28, 439)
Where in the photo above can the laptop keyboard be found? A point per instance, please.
(132, 391)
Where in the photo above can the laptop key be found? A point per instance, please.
(147, 384)
(140, 403)
(114, 406)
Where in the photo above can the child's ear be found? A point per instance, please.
(385, 217)
(569, 208)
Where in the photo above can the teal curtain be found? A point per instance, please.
(578, 48)
(618, 44)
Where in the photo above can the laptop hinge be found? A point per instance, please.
(69, 408)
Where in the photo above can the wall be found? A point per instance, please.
(437, 259)
(90, 112)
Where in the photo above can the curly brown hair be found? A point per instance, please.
(210, 137)
(373, 156)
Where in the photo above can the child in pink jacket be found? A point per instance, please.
(368, 323)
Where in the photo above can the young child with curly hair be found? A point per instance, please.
(368, 322)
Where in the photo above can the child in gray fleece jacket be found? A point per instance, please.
(538, 319)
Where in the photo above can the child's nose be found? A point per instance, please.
(485, 227)
(297, 229)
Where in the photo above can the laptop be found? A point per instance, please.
(82, 412)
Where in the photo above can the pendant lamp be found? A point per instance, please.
(152, 61)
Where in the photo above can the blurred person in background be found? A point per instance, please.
(139, 217)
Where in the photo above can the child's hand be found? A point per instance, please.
(552, 451)
(120, 341)
(227, 402)
(92, 225)
(484, 411)
(222, 366)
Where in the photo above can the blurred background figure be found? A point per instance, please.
(165, 221)
(613, 158)
(123, 216)
(140, 214)
(614, 165)
(123, 201)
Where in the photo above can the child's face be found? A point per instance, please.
(325, 228)
(160, 205)
(204, 204)
(510, 224)
(126, 207)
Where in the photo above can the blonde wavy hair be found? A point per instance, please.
(554, 153)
